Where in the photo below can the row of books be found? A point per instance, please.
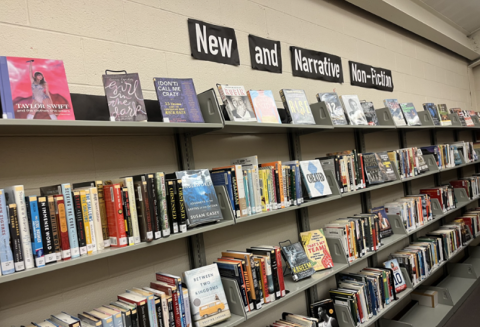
(414, 210)
(471, 218)
(71, 220)
(199, 300)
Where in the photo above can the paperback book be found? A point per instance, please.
(397, 275)
(264, 105)
(394, 107)
(433, 111)
(385, 227)
(385, 166)
(370, 114)
(34, 88)
(124, 97)
(324, 311)
(314, 178)
(236, 102)
(334, 106)
(297, 107)
(316, 248)
(296, 258)
(354, 110)
(460, 115)
(443, 112)
(410, 114)
(178, 100)
(372, 170)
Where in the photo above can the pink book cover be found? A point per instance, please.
(35, 89)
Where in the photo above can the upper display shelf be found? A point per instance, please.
(92, 118)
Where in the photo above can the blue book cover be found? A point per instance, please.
(247, 193)
(298, 179)
(201, 203)
(35, 230)
(6, 255)
(7, 106)
(178, 100)
(71, 222)
(224, 178)
(251, 191)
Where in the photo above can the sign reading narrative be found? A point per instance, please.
(265, 54)
(213, 43)
(370, 77)
(316, 65)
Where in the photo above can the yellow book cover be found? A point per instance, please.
(86, 221)
(316, 248)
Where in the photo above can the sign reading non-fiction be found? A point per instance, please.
(370, 77)
(316, 65)
(213, 42)
(265, 54)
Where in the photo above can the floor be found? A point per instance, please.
(468, 314)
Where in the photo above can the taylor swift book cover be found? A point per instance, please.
(34, 89)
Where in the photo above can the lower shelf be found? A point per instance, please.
(425, 316)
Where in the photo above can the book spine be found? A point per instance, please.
(91, 223)
(180, 204)
(251, 192)
(54, 225)
(171, 312)
(256, 189)
(82, 240)
(7, 264)
(186, 304)
(157, 226)
(247, 194)
(116, 222)
(263, 190)
(172, 208)
(86, 222)
(234, 192)
(97, 218)
(263, 274)
(103, 213)
(16, 240)
(19, 195)
(127, 216)
(35, 231)
(279, 272)
(133, 209)
(177, 286)
(241, 190)
(146, 235)
(72, 227)
(159, 312)
(148, 209)
(63, 228)
(258, 289)
(162, 201)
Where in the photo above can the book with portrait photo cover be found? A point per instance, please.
(369, 111)
(324, 311)
(34, 88)
(334, 106)
(395, 110)
(237, 104)
(354, 110)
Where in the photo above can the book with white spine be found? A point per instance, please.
(252, 163)
(128, 182)
(97, 219)
(71, 222)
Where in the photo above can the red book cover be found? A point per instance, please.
(364, 181)
(434, 193)
(460, 184)
(468, 222)
(115, 219)
(281, 281)
(172, 291)
(62, 226)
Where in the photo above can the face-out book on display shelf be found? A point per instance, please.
(354, 110)
(432, 109)
(386, 168)
(334, 106)
(397, 274)
(316, 248)
(296, 258)
(372, 170)
(370, 113)
(460, 115)
(324, 311)
(410, 114)
(34, 88)
(264, 106)
(296, 106)
(237, 104)
(443, 111)
(178, 100)
(385, 227)
(396, 111)
(124, 97)
(314, 178)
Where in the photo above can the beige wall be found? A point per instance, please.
(150, 37)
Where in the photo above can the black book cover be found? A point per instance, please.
(256, 285)
(126, 313)
(146, 234)
(260, 297)
(386, 168)
(53, 223)
(150, 213)
(45, 226)
(83, 185)
(297, 260)
(51, 190)
(370, 113)
(127, 216)
(288, 174)
(29, 217)
(15, 239)
(372, 170)
(172, 207)
(171, 313)
(159, 311)
(82, 240)
(180, 204)
(157, 225)
(133, 312)
(277, 187)
(273, 284)
(324, 311)
(235, 192)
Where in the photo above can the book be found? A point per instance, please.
(397, 274)
(410, 114)
(372, 170)
(199, 197)
(15, 238)
(334, 106)
(264, 106)
(460, 115)
(395, 110)
(116, 221)
(386, 168)
(316, 248)
(178, 100)
(103, 213)
(71, 223)
(62, 227)
(443, 112)
(208, 304)
(82, 238)
(251, 163)
(433, 111)
(237, 104)
(6, 256)
(385, 227)
(314, 178)
(161, 194)
(370, 114)
(35, 230)
(324, 311)
(34, 88)
(353, 109)
(135, 232)
(124, 97)
(296, 106)
(296, 258)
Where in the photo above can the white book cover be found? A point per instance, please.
(354, 110)
(97, 219)
(252, 163)
(16, 195)
(128, 181)
(314, 178)
(236, 102)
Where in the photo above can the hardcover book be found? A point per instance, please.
(324, 311)
(444, 118)
(264, 105)
(34, 89)
(397, 275)
(385, 166)
(316, 248)
(199, 196)
(124, 97)
(433, 111)
(207, 298)
(178, 100)
(334, 107)
(297, 107)
(370, 114)
(296, 258)
(6, 255)
(394, 107)
(372, 170)
(314, 178)
(410, 114)
(236, 102)
(385, 227)
(459, 112)
(354, 110)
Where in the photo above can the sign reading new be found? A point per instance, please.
(213, 43)
(265, 54)
(370, 77)
(316, 65)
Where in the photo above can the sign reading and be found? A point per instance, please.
(265, 54)
(213, 43)
(370, 77)
(316, 65)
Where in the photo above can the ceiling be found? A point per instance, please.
(462, 14)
